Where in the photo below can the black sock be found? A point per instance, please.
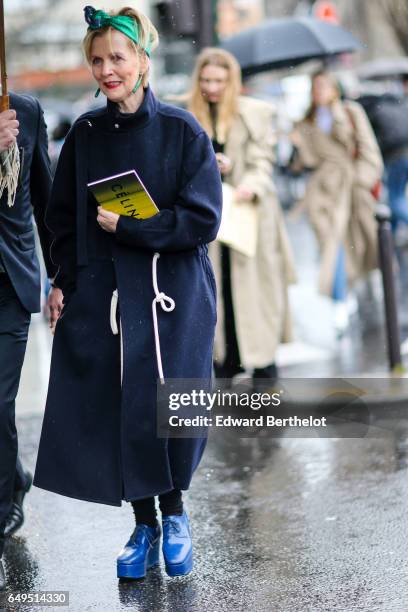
(171, 503)
(145, 511)
(270, 371)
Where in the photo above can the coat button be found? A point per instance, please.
(116, 125)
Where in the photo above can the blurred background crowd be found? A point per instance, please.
(45, 60)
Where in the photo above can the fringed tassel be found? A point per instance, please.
(9, 172)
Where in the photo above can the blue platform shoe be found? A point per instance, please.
(140, 553)
(177, 545)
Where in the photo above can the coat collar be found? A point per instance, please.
(124, 121)
(342, 132)
(255, 114)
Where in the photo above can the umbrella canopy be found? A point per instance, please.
(280, 43)
(386, 68)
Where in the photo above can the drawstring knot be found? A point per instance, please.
(168, 305)
(166, 302)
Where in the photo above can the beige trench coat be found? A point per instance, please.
(258, 284)
(338, 196)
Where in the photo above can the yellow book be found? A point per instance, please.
(124, 194)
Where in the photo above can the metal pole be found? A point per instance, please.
(206, 23)
(386, 254)
(214, 6)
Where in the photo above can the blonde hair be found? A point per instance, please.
(311, 113)
(148, 36)
(228, 106)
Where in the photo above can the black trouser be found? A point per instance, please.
(232, 362)
(20, 481)
(14, 324)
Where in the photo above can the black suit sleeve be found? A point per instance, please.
(40, 188)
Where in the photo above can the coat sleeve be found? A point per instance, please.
(40, 188)
(369, 164)
(259, 156)
(61, 218)
(195, 217)
(304, 156)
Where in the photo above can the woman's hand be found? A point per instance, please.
(224, 163)
(242, 194)
(107, 220)
(55, 306)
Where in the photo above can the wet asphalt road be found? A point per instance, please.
(279, 524)
(286, 524)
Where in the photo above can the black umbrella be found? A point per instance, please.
(385, 68)
(281, 43)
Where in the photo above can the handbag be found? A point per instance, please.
(239, 223)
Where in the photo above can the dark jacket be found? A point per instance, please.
(17, 245)
(99, 439)
(388, 115)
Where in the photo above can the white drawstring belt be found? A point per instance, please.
(167, 303)
(114, 327)
(113, 309)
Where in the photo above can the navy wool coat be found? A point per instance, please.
(98, 440)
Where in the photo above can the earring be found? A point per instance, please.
(136, 87)
(97, 92)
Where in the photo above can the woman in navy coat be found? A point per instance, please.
(139, 298)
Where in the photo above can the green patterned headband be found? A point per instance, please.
(125, 24)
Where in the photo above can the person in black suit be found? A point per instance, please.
(20, 289)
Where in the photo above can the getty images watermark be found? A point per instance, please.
(211, 401)
(308, 407)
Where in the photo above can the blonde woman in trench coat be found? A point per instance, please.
(253, 309)
(336, 141)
